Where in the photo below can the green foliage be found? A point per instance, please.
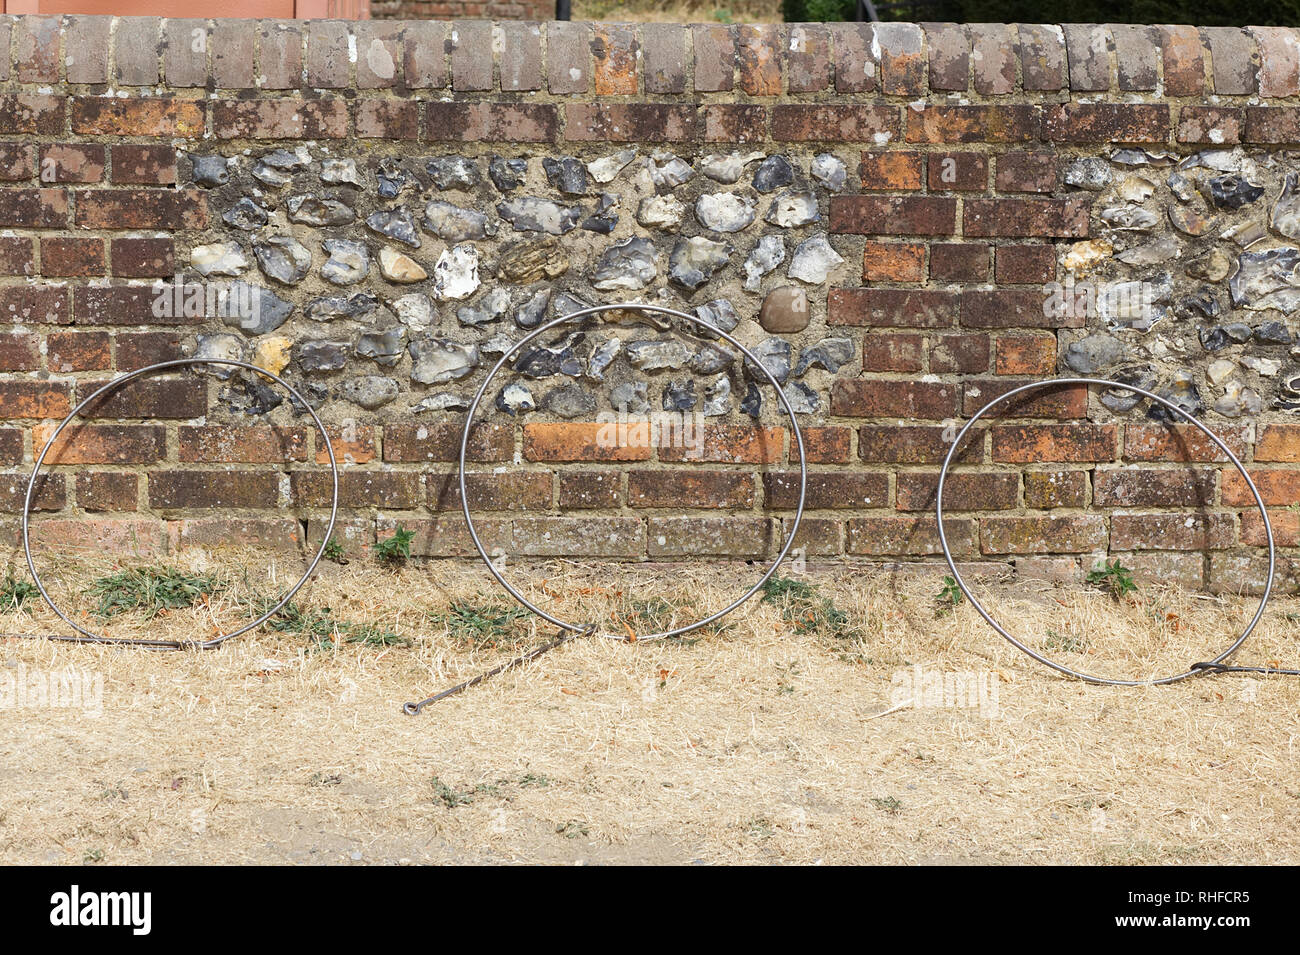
(151, 590)
(948, 597)
(1112, 577)
(326, 631)
(334, 551)
(805, 609)
(482, 625)
(887, 804)
(817, 11)
(395, 549)
(448, 796)
(13, 593)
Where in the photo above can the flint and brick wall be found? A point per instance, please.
(933, 183)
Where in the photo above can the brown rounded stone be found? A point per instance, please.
(785, 310)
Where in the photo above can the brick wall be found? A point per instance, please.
(400, 213)
(452, 9)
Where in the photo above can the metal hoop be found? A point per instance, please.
(710, 329)
(88, 636)
(1200, 669)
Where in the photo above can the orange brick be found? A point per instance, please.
(352, 443)
(587, 441)
(615, 51)
(1025, 355)
(893, 262)
(898, 169)
(731, 444)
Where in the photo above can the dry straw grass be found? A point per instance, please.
(762, 741)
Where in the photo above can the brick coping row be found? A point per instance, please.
(628, 60)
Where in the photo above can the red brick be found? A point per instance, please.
(137, 349)
(390, 490)
(958, 172)
(582, 441)
(803, 122)
(144, 165)
(1184, 66)
(824, 445)
(972, 124)
(1030, 444)
(34, 208)
(891, 171)
(34, 304)
(665, 57)
(1106, 123)
(173, 490)
(137, 116)
(1153, 487)
(19, 351)
(809, 59)
(915, 444)
(1272, 124)
(729, 444)
(65, 256)
(51, 493)
(710, 536)
(387, 119)
(232, 444)
(827, 490)
(107, 491)
(162, 209)
(588, 536)
(962, 491)
(893, 262)
(78, 351)
(1027, 264)
(1012, 308)
(715, 57)
(521, 57)
(959, 353)
(1171, 531)
(821, 536)
(760, 55)
(511, 491)
(25, 398)
(902, 59)
(1279, 69)
(72, 162)
(893, 399)
(11, 445)
(352, 444)
(148, 398)
(630, 122)
(693, 488)
(17, 256)
(1210, 125)
(1068, 401)
(1050, 489)
(1026, 218)
(734, 123)
(856, 68)
(121, 305)
(568, 57)
(590, 490)
(1277, 487)
(907, 536)
(142, 258)
(1026, 172)
(892, 352)
(440, 441)
(895, 215)
(286, 118)
(1025, 355)
(1284, 524)
(1181, 443)
(1042, 535)
(380, 52)
(102, 443)
(1278, 442)
(39, 114)
(470, 45)
(959, 262)
(446, 536)
(17, 162)
(886, 307)
(949, 48)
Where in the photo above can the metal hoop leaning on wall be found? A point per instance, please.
(653, 310)
(88, 636)
(1168, 405)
